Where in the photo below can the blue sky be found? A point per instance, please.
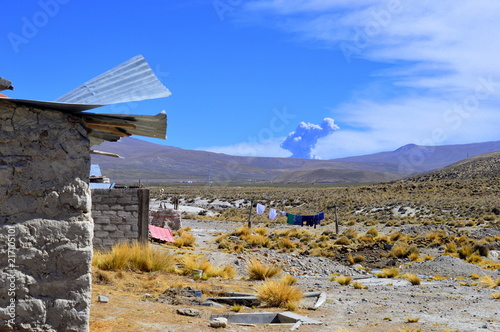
(245, 74)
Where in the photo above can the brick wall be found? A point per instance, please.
(119, 216)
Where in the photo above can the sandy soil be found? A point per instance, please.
(455, 303)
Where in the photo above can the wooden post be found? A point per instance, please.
(336, 221)
(143, 219)
(250, 214)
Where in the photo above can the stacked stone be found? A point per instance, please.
(166, 218)
(45, 220)
(116, 216)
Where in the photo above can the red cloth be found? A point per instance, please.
(163, 234)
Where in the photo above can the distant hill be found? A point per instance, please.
(484, 166)
(413, 158)
(161, 163)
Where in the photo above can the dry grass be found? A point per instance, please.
(496, 296)
(258, 271)
(412, 278)
(285, 243)
(358, 285)
(402, 250)
(289, 279)
(488, 282)
(276, 293)
(344, 241)
(392, 272)
(342, 280)
(134, 257)
(412, 320)
(190, 263)
(184, 240)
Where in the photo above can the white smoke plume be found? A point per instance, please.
(302, 141)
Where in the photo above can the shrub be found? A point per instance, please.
(403, 250)
(344, 240)
(276, 293)
(285, 243)
(359, 285)
(359, 259)
(413, 279)
(259, 271)
(134, 257)
(261, 231)
(395, 237)
(496, 296)
(392, 272)
(465, 251)
(450, 247)
(185, 240)
(488, 282)
(242, 231)
(413, 256)
(256, 240)
(343, 280)
(372, 232)
(350, 233)
(289, 279)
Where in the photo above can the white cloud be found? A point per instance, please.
(441, 54)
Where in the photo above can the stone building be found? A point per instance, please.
(46, 227)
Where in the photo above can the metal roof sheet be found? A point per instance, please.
(133, 80)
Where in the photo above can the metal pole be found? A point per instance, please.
(250, 214)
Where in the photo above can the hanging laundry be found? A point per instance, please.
(317, 219)
(260, 208)
(309, 220)
(272, 214)
(298, 220)
(283, 213)
(290, 218)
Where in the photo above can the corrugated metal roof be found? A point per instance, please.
(95, 170)
(133, 80)
(93, 185)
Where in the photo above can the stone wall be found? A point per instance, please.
(118, 216)
(45, 220)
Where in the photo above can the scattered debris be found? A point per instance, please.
(320, 301)
(161, 234)
(218, 322)
(189, 312)
(102, 299)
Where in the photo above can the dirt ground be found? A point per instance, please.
(454, 303)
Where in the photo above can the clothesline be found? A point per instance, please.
(292, 219)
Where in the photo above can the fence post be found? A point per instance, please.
(143, 218)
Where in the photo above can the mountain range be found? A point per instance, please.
(156, 163)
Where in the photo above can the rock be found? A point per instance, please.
(218, 322)
(189, 312)
(102, 299)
